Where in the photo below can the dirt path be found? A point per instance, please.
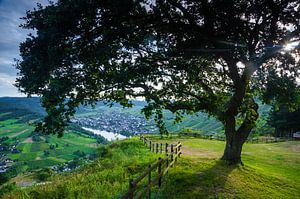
(19, 133)
(28, 140)
(198, 153)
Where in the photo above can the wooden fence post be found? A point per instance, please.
(179, 149)
(176, 149)
(166, 148)
(149, 183)
(167, 161)
(131, 189)
(159, 172)
(172, 152)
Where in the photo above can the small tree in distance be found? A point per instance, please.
(184, 56)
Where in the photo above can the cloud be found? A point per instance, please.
(6, 80)
(6, 86)
(11, 35)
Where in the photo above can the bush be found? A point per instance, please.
(79, 153)
(7, 188)
(4, 177)
(44, 174)
(36, 138)
(104, 151)
(46, 153)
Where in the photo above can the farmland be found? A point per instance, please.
(29, 151)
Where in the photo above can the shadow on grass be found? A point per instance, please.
(191, 180)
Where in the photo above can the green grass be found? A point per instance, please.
(107, 177)
(39, 146)
(25, 147)
(270, 171)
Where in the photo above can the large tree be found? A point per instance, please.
(184, 56)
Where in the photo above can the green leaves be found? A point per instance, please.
(196, 56)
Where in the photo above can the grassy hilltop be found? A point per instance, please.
(270, 171)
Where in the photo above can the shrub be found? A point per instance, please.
(7, 188)
(44, 174)
(4, 177)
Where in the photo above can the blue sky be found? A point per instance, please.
(10, 37)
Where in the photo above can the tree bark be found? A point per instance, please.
(234, 145)
(233, 150)
(236, 138)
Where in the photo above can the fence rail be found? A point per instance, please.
(161, 166)
(249, 140)
(160, 147)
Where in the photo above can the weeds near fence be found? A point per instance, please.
(155, 172)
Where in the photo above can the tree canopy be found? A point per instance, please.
(184, 56)
(285, 121)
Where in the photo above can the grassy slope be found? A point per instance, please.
(270, 171)
(105, 178)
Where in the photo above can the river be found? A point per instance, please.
(110, 136)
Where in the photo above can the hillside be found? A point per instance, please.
(197, 174)
(22, 150)
(21, 108)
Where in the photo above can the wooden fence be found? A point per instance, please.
(267, 140)
(156, 147)
(249, 140)
(155, 172)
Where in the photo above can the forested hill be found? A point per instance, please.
(20, 107)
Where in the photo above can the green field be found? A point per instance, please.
(32, 153)
(270, 171)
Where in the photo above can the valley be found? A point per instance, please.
(27, 155)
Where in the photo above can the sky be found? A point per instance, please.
(10, 37)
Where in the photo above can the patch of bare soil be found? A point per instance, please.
(28, 140)
(296, 148)
(198, 153)
(93, 145)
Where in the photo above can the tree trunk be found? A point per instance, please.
(236, 138)
(233, 149)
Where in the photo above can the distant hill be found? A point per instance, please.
(20, 107)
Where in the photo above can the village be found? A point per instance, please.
(122, 123)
